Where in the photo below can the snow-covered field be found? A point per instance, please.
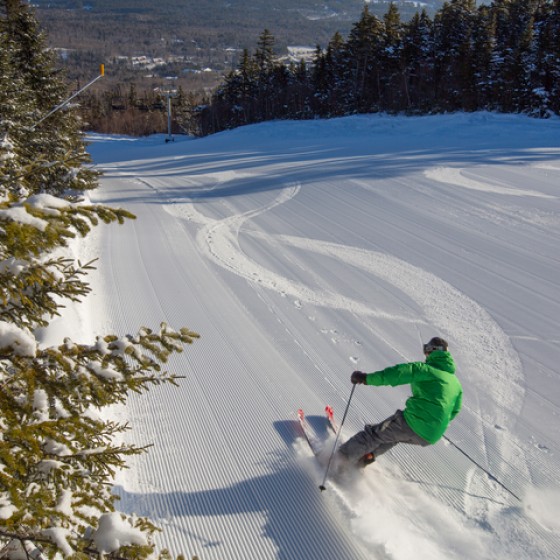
(301, 251)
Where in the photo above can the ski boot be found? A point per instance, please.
(366, 460)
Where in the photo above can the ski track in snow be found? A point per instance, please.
(456, 177)
(219, 239)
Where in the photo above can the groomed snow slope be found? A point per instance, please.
(301, 251)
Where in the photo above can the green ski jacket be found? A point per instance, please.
(436, 392)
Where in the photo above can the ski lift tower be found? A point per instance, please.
(169, 93)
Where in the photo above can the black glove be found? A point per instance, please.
(358, 378)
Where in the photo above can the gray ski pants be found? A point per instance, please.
(379, 438)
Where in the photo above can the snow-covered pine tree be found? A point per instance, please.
(364, 71)
(418, 62)
(543, 59)
(299, 95)
(12, 96)
(264, 53)
(393, 82)
(57, 453)
(513, 24)
(552, 56)
(328, 79)
(454, 74)
(524, 58)
(483, 44)
(240, 91)
(52, 151)
(265, 61)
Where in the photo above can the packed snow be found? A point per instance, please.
(301, 251)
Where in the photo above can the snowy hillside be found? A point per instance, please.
(301, 251)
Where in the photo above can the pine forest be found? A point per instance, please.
(503, 57)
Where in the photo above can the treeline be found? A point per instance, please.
(502, 57)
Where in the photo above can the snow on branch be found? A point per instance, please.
(16, 340)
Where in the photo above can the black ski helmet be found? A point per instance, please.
(435, 343)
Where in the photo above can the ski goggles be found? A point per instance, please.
(429, 348)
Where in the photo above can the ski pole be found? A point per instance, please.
(322, 487)
(492, 477)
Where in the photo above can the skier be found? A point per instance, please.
(436, 400)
